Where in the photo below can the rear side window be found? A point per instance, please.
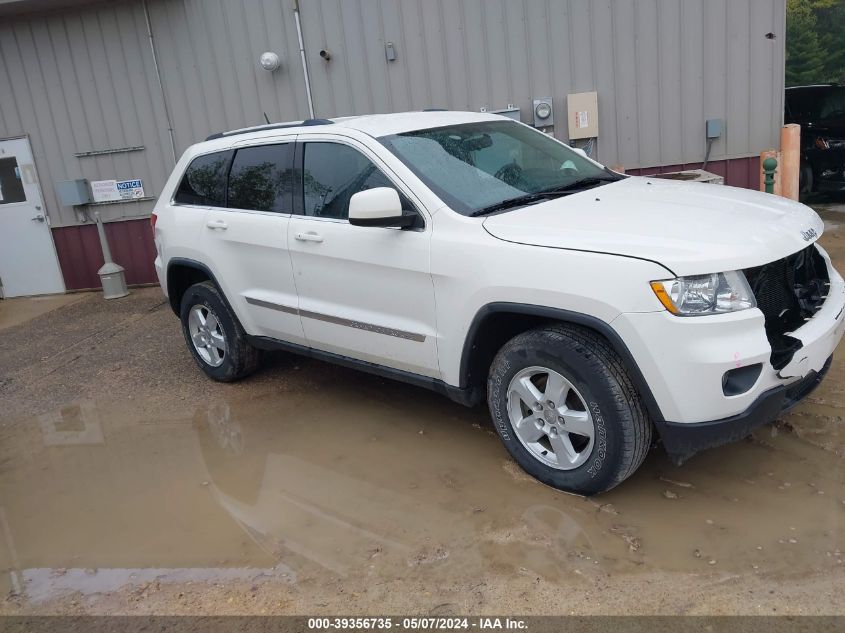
(204, 182)
(261, 178)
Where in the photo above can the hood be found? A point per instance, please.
(690, 228)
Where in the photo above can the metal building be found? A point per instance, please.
(115, 91)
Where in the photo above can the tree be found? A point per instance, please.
(830, 16)
(805, 58)
(815, 41)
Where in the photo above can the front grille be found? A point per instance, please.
(789, 292)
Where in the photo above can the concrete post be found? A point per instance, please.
(790, 163)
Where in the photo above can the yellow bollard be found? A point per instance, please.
(789, 165)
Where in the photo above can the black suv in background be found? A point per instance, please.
(820, 110)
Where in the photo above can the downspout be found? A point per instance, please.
(302, 57)
(160, 84)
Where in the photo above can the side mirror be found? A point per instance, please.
(380, 206)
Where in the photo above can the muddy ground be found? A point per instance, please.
(131, 484)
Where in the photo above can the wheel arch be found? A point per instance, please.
(182, 273)
(496, 323)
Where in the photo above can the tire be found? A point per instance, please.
(599, 395)
(806, 180)
(206, 316)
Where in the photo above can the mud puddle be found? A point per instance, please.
(351, 481)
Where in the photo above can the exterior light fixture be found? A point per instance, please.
(269, 61)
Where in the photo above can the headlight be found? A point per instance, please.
(705, 294)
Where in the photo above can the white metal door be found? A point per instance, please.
(28, 263)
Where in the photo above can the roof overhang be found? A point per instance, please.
(16, 7)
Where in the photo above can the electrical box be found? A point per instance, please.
(583, 110)
(72, 193)
(390, 52)
(714, 128)
(511, 112)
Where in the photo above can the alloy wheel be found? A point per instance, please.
(550, 418)
(207, 335)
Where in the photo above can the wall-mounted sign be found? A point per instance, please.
(130, 189)
(104, 190)
(116, 190)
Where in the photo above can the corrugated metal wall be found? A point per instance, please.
(661, 67)
(84, 79)
(81, 81)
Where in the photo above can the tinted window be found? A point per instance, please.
(332, 174)
(204, 182)
(821, 103)
(261, 178)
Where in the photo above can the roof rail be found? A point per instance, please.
(435, 110)
(274, 126)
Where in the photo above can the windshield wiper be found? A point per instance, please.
(573, 187)
(583, 183)
(510, 203)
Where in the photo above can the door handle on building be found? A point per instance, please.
(217, 224)
(38, 218)
(309, 237)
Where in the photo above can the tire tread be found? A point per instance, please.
(244, 358)
(593, 348)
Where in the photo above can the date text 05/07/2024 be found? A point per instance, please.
(415, 623)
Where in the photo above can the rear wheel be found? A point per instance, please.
(566, 410)
(215, 338)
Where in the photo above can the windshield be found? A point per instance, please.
(475, 167)
(817, 104)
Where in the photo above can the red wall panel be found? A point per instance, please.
(80, 255)
(737, 172)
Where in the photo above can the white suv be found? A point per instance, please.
(473, 255)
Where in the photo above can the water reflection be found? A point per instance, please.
(98, 497)
(76, 423)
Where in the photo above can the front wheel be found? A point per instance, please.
(806, 183)
(566, 409)
(215, 338)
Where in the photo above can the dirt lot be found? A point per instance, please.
(131, 484)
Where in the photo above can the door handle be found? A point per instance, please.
(38, 218)
(217, 224)
(309, 237)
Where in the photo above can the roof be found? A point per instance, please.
(375, 125)
(813, 86)
(387, 124)
(11, 7)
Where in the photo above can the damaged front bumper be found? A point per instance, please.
(683, 440)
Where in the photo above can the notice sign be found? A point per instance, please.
(130, 189)
(116, 190)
